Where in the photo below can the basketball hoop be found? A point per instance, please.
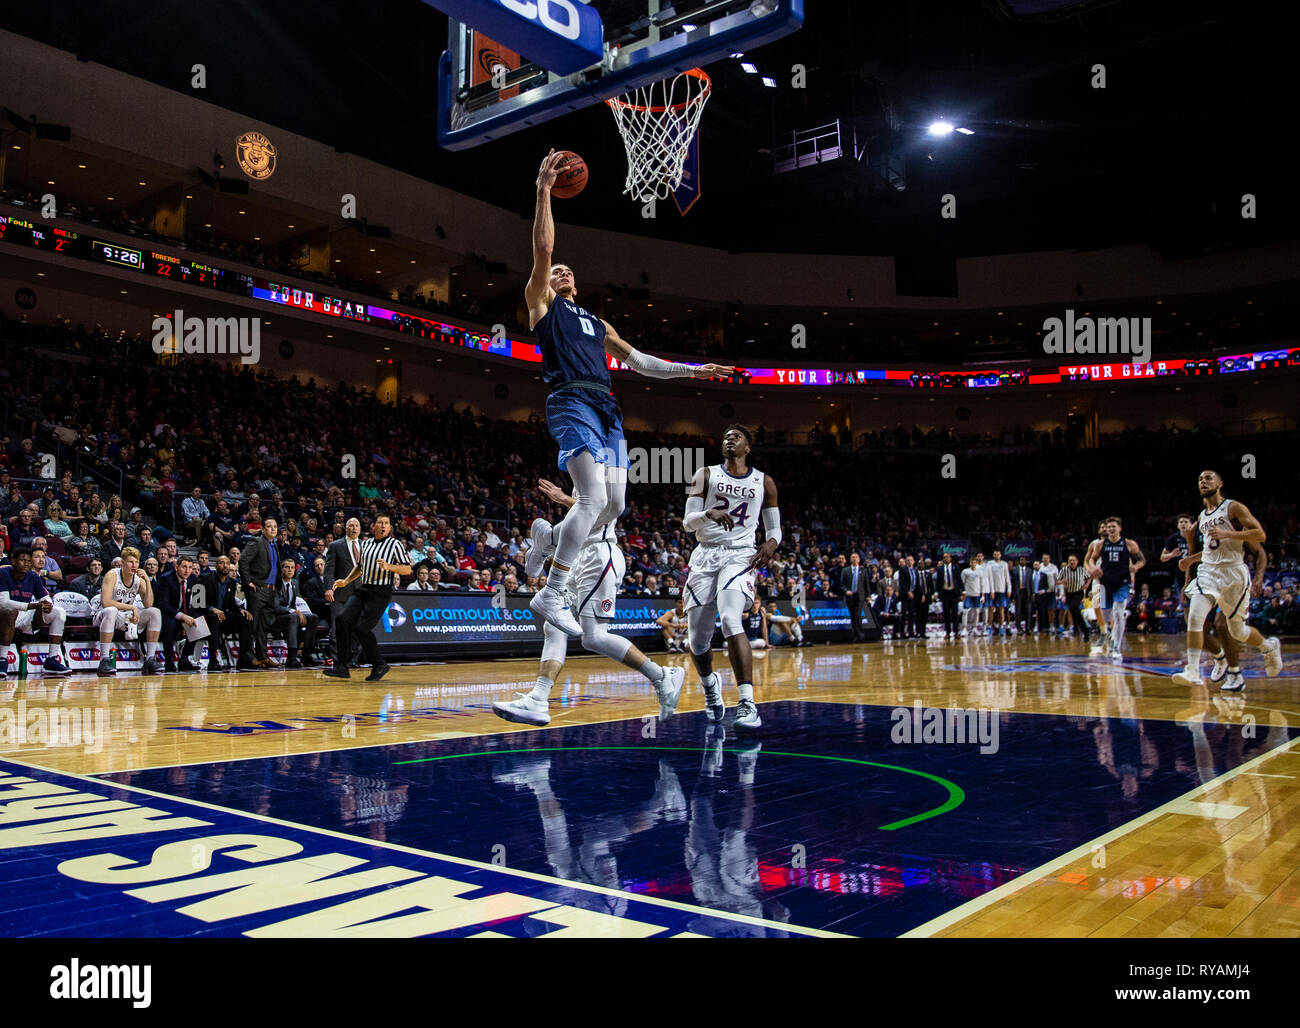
(658, 123)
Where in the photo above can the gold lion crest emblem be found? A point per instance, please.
(256, 155)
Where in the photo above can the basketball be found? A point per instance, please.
(572, 178)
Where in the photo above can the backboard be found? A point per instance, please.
(512, 64)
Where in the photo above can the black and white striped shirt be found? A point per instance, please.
(1074, 579)
(391, 550)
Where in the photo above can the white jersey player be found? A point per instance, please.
(1222, 578)
(126, 605)
(724, 503)
(591, 592)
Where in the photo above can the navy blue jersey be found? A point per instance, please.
(30, 588)
(754, 626)
(572, 344)
(1114, 562)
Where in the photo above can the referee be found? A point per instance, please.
(382, 558)
(1075, 579)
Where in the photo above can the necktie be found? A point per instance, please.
(356, 553)
(275, 562)
(855, 579)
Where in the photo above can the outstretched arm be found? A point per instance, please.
(653, 367)
(537, 293)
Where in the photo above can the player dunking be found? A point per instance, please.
(1225, 526)
(581, 412)
(723, 505)
(591, 592)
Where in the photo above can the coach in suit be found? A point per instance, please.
(180, 605)
(1044, 594)
(1022, 588)
(289, 621)
(853, 587)
(259, 570)
(948, 581)
(223, 614)
(889, 610)
(341, 557)
(907, 598)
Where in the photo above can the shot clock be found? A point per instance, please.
(113, 253)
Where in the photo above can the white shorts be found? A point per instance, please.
(715, 568)
(111, 619)
(28, 623)
(595, 580)
(1227, 584)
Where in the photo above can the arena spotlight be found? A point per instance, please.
(941, 128)
(749, 68)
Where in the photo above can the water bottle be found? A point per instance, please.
(22, 662)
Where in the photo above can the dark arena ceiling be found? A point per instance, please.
(1194, 115)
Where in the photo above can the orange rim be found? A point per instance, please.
(706, 87)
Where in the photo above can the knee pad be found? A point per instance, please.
(1198, 610)
(150, 619)
(55, 620)
(1238, 629)
(597, 638)
(554, 643)
(731, 605)
(700, 633)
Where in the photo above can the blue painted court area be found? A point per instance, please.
(831, 819)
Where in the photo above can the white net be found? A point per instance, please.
(657, 123)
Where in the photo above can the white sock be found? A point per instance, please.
(1194, 661)
(746, 690)
(542, 690)
(150, 648)
(652, 671)
(8, 649)
(557, 578)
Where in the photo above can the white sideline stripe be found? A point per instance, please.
(531, 875)
(1007, 889)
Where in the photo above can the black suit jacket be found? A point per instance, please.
(846, 582)
(109, 550)
(1029, 581)
(895, 608)
(312, 587)
(195, 599)
(940, 573)
(281, 604)
(339, 564)
(907, 581)
(219, 597)
(255, 561)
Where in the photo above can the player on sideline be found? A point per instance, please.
(592, 593)
(723, 504)
(581, 412)
(1117, 562)
(1223, 578)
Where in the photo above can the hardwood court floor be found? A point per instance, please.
(1089, 798)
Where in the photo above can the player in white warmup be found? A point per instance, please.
(126, 605)
(592, 591)
(723, 505)
(1223, 578)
